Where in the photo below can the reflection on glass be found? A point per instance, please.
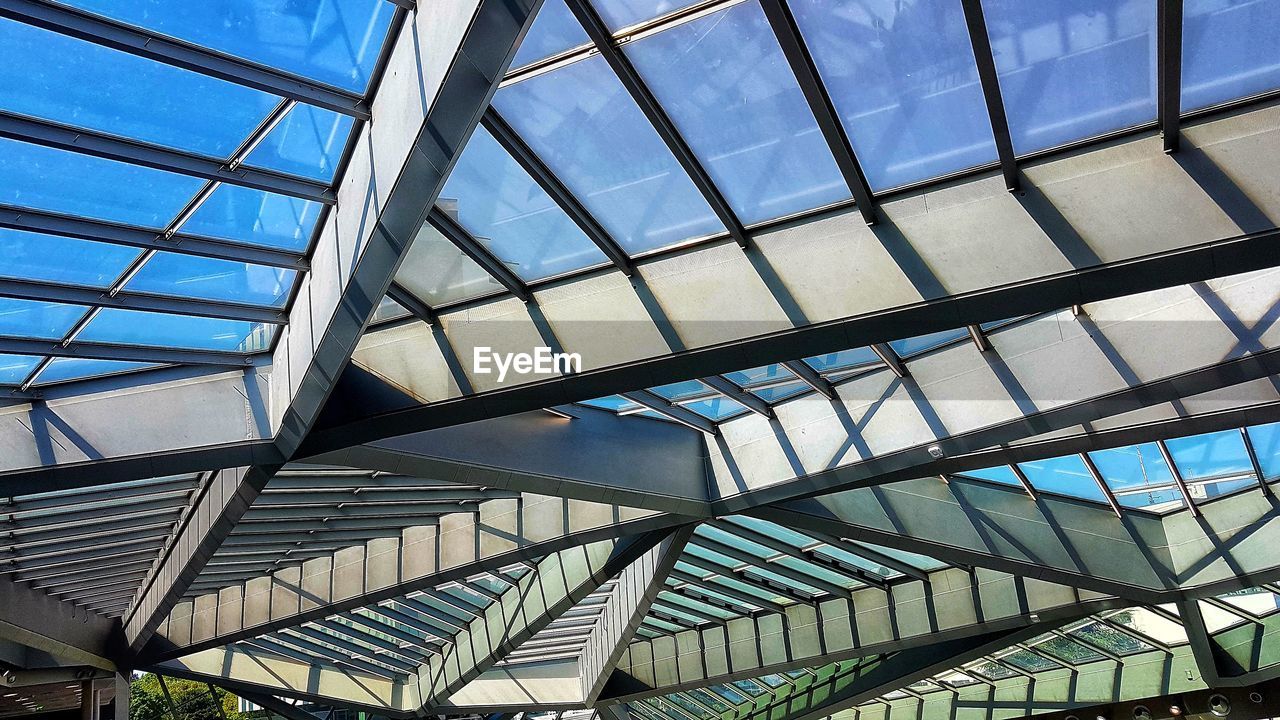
(132, 327)
(717, 408)
(506, 211)
(437, 272)
(843, 360)
(582, 123)
(619, 14)
(1064, 475)
(334, 41)
(66, 369)
(554, 30)
(67, 261)
(1213, 464)
(73, 82)
(14, 369)
(681, 390)
(255, 217)
(904, 82)
(40, 178)
(1230, 49)
(211, 279)
(908, 347)
(1073, 69)
(724, 82)
(308, 142)
(36, 319)
(1133, 474)
(1266, 445)
(1002, 474)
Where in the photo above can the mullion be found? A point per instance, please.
(662, 124)
(989, 79)
(559, 193)
(1177, 477)
(1169, 75)
(1253, 461)
(824, 112)
(466, 242)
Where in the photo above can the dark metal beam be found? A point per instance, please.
(1253, 460)
(891, 359)
(824, 111)
(153, 46)
(560, 194)
(666, 129)
(990, 81)
(30, 290)
(743, 397)
(88, 142)
(104, 351)
(472, 248)
(37, 221)
(410, 302)
(810, 377)
(979, 338)
(675, 413)
(1169, 79)
(1177, 477)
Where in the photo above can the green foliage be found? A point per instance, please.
(191, 699)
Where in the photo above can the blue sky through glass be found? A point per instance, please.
(37, 320)
(66, 261)
(1072, 69)
(1230, 49)
(255, 217)
(68, 369)
(308, 142)
(131, 327)
(210, 279)
(336, 42)
(904, 82)
(582, 123)
(554, 30)
(14, 369)
(507, 212)
(725, 83)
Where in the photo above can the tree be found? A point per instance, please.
(192, 700)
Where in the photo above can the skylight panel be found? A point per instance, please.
(27, 256)
(582, 123)
(73, 82)
(1063, 475)
(211, 279)
(336, 42)
(66, 369)
(41, 178)
(37, 320)
(437, 272)
(619, 14)
(554, 30)
(14, 369)
(1137, 475)
(725, 84)
(1073, 69)
(1266, 445)
(904, 82)
(506, 211)
(1212, 464)
(308, 142)
(1230, 49)
(132, 327)
(255, 217)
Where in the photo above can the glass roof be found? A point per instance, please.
(196, 302)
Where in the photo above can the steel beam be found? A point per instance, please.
(106, 351)
(810, 377)
(32, 290)
(1169, 72)
(89, 142)
(458, 235)
(744, 398)
(819, 102)
(559, 193)
(16, 218)
(153, 46)
(657, 116)
(671, 411)
(554, 586)
(990, 81)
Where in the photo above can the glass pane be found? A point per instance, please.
(334, 41)
(916, 345)
(1065, 476)
(582, 123)
(1219, 456)
(437, 272)
(1068, 651)
(308, 142)
(1073, 69)
(724, 82)
(210, 279)
(764, 374)
(69, 81)
(1131, 472)
(1002, 474)
(910, 558)
(778, 393)
(1029, 661)
(554, 31)
(904, 82)
(509, 214)
(387, 309)
(37, 320)
(843, 360)
(14, 369)
(1254, 601)
(1110, 639)
(612, 403)
(1266, 445)
(1230, 49)
(67, 369)
(716, 409)
(67, 261)
(681, 390)
(619, 14)
(73, 184)
(132, 327)
(255, 217)
(1149, 624)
